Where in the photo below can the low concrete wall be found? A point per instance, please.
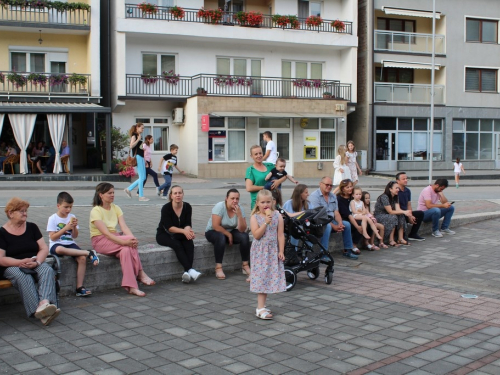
(161, 264)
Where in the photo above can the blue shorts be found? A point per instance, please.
(70, 246)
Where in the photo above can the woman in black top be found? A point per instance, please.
(175, 231)
(344, 198)
(22, 252)
(137, 148)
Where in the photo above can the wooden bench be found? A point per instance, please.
(4, 284)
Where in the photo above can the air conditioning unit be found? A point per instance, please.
(178, 116)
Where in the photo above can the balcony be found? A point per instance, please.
(53, 14)
(220, 17)
(395, 41)
(403, 93)
(15, 84)
(138, 85)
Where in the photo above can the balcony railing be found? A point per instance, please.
(269, 87)
(28, 15)
(230, 19)
(396, 41)
(45, 84)
(408, 93)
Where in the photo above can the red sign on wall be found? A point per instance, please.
(205, 120)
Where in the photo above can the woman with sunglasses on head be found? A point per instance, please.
(390, 215)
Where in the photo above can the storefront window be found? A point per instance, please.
(274, 122)
(473, 138)
(157, 127)
(226, 139)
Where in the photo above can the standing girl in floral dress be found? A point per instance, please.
(342, 171)
(267, 252)
(352, 163)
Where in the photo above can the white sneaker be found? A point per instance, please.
(194, 274)
(447, 231)
(186, 278)
(437, 234)
(164, 197)
(158, 191)
(1, 172)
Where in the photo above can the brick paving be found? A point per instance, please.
(396, 311)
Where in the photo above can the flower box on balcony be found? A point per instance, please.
(253, 19)
(201, 91)
(314, 21)
(210, 15)
(18, 80)
(148, 78)
(338, 25)
(177, 12)
(170, 77)
(289, 21)
(78, 79)
(148, 8)
(37, 79)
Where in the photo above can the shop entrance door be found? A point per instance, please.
(497, 150)
(386, 151)
(283, 146)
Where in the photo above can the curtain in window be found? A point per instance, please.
(1, 122)
(18, 61)
(149, 62)
(37, 62)
(22, 126)
(57, 123)
(167, 63)
(236, 143)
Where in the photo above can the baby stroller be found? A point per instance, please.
(307, 228)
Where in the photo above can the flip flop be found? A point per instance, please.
(44, 311)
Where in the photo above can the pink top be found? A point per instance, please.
(147, 152)
(428, 194)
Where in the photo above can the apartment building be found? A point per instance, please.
(212, 81)
(50, 76)
(392, 119)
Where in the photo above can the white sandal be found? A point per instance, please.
(263, 314)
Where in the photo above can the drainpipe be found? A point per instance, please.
(372, 109)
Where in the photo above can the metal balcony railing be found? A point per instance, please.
(223, 85)
(396, 41)
(28, 15)
(408, 93)
(50, 84)
(231, 19)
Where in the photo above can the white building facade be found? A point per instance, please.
(243, 76)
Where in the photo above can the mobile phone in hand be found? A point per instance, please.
(452, 202)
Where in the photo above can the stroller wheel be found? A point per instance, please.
(291, 279)
(313, 274)
(329, 277)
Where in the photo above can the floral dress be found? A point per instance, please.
(389, 221)
(268, 272)
(351, 163)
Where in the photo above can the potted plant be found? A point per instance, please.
(170, 77)
(210, 15)
(327, 95)
(58, 79)
(123, 168)
(149, 78)
(118, 142)
(78, 79)
(37, 79)
(241, 17)
(18, 80)
(285, 21)
(2, 78)
(201, 91)
(314, 21)
(249, 18)
(338, 25)
(177, 12)
(148, 8)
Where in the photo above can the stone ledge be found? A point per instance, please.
(161, 263)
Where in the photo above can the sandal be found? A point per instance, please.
(93, 257)
(394, 244)
(263, 314)
(48, 319)
(375, 248)
(82, 292)
(245, 268)
(355, 250)
(146, 281)
(219, 273)
(45, 311)
(383, 245)
(404, 243)
(370, 247)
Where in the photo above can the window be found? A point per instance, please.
(482, 31)
(413, 140)
(158, 128)
(309, 8)
(27, 62)
(302, 70)
(390, 24)
(393, 75)
(473, 138)
(238, 66)
(154, 64)
(226, 139)
(325, 134)
(232, 5)
(481, 80)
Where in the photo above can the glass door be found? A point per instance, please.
(283, 146)
(58, 69)
(497, 150)
(386, 151)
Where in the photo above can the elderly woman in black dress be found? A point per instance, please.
(390, 215)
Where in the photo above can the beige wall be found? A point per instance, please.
(211, 4)
(76, 44)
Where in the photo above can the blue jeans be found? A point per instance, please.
(435, 213)
(141, 170)
(166, 186)
(346, 235)
(269, 184)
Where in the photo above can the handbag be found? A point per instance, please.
(131, 160)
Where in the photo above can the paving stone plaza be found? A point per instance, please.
(395, 311)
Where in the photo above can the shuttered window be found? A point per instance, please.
(481, 80)
(482, 31)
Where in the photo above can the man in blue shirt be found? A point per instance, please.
(404, 197)
(325, 198)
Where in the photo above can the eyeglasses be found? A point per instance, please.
(22, 211)
(327, 185)
(347, 180)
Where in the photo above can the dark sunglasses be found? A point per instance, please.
(346, 181)
(327, 185)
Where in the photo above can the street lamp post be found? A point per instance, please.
(433, 66)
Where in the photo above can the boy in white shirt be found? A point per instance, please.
(271, 154)
(63, 228)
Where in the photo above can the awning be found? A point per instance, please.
(275, 114)
(8, 107)
(408, 65)
(410, 12)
